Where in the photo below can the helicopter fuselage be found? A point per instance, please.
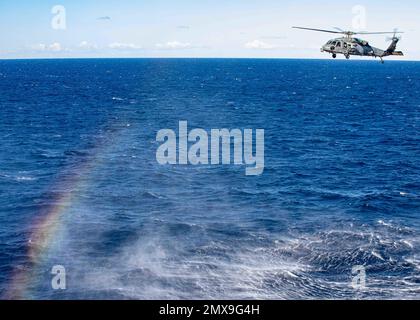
(356, 47)
(351, 46)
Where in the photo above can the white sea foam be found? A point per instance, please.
(25, 178)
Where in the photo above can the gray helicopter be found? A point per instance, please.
(351, 46)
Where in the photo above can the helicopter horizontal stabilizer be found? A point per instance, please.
(397, 53)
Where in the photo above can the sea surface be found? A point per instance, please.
(80, 186)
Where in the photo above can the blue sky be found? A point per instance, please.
(196, 28)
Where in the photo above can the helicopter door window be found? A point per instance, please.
(338, 44)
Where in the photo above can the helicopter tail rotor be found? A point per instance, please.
(392, 48)
(394, 37)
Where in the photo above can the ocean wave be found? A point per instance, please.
(19, 178)
(186, 261)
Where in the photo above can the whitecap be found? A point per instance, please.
(377, 255)
(408, 243)
(25, 178)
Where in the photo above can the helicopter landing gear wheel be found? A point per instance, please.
(347, 57)
(334, 56)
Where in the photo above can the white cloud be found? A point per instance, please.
(124, 46)
(39, 47)
(54, 47)
(87, 46)
(258, 44)
(173, 45)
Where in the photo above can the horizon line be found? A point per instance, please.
(202, 58)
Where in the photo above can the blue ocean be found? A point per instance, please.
(80, 186)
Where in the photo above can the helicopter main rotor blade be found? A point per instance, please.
(348, 33)
(394, 32)
(319, 30)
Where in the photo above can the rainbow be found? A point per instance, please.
(44, 230)
(46, 225)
